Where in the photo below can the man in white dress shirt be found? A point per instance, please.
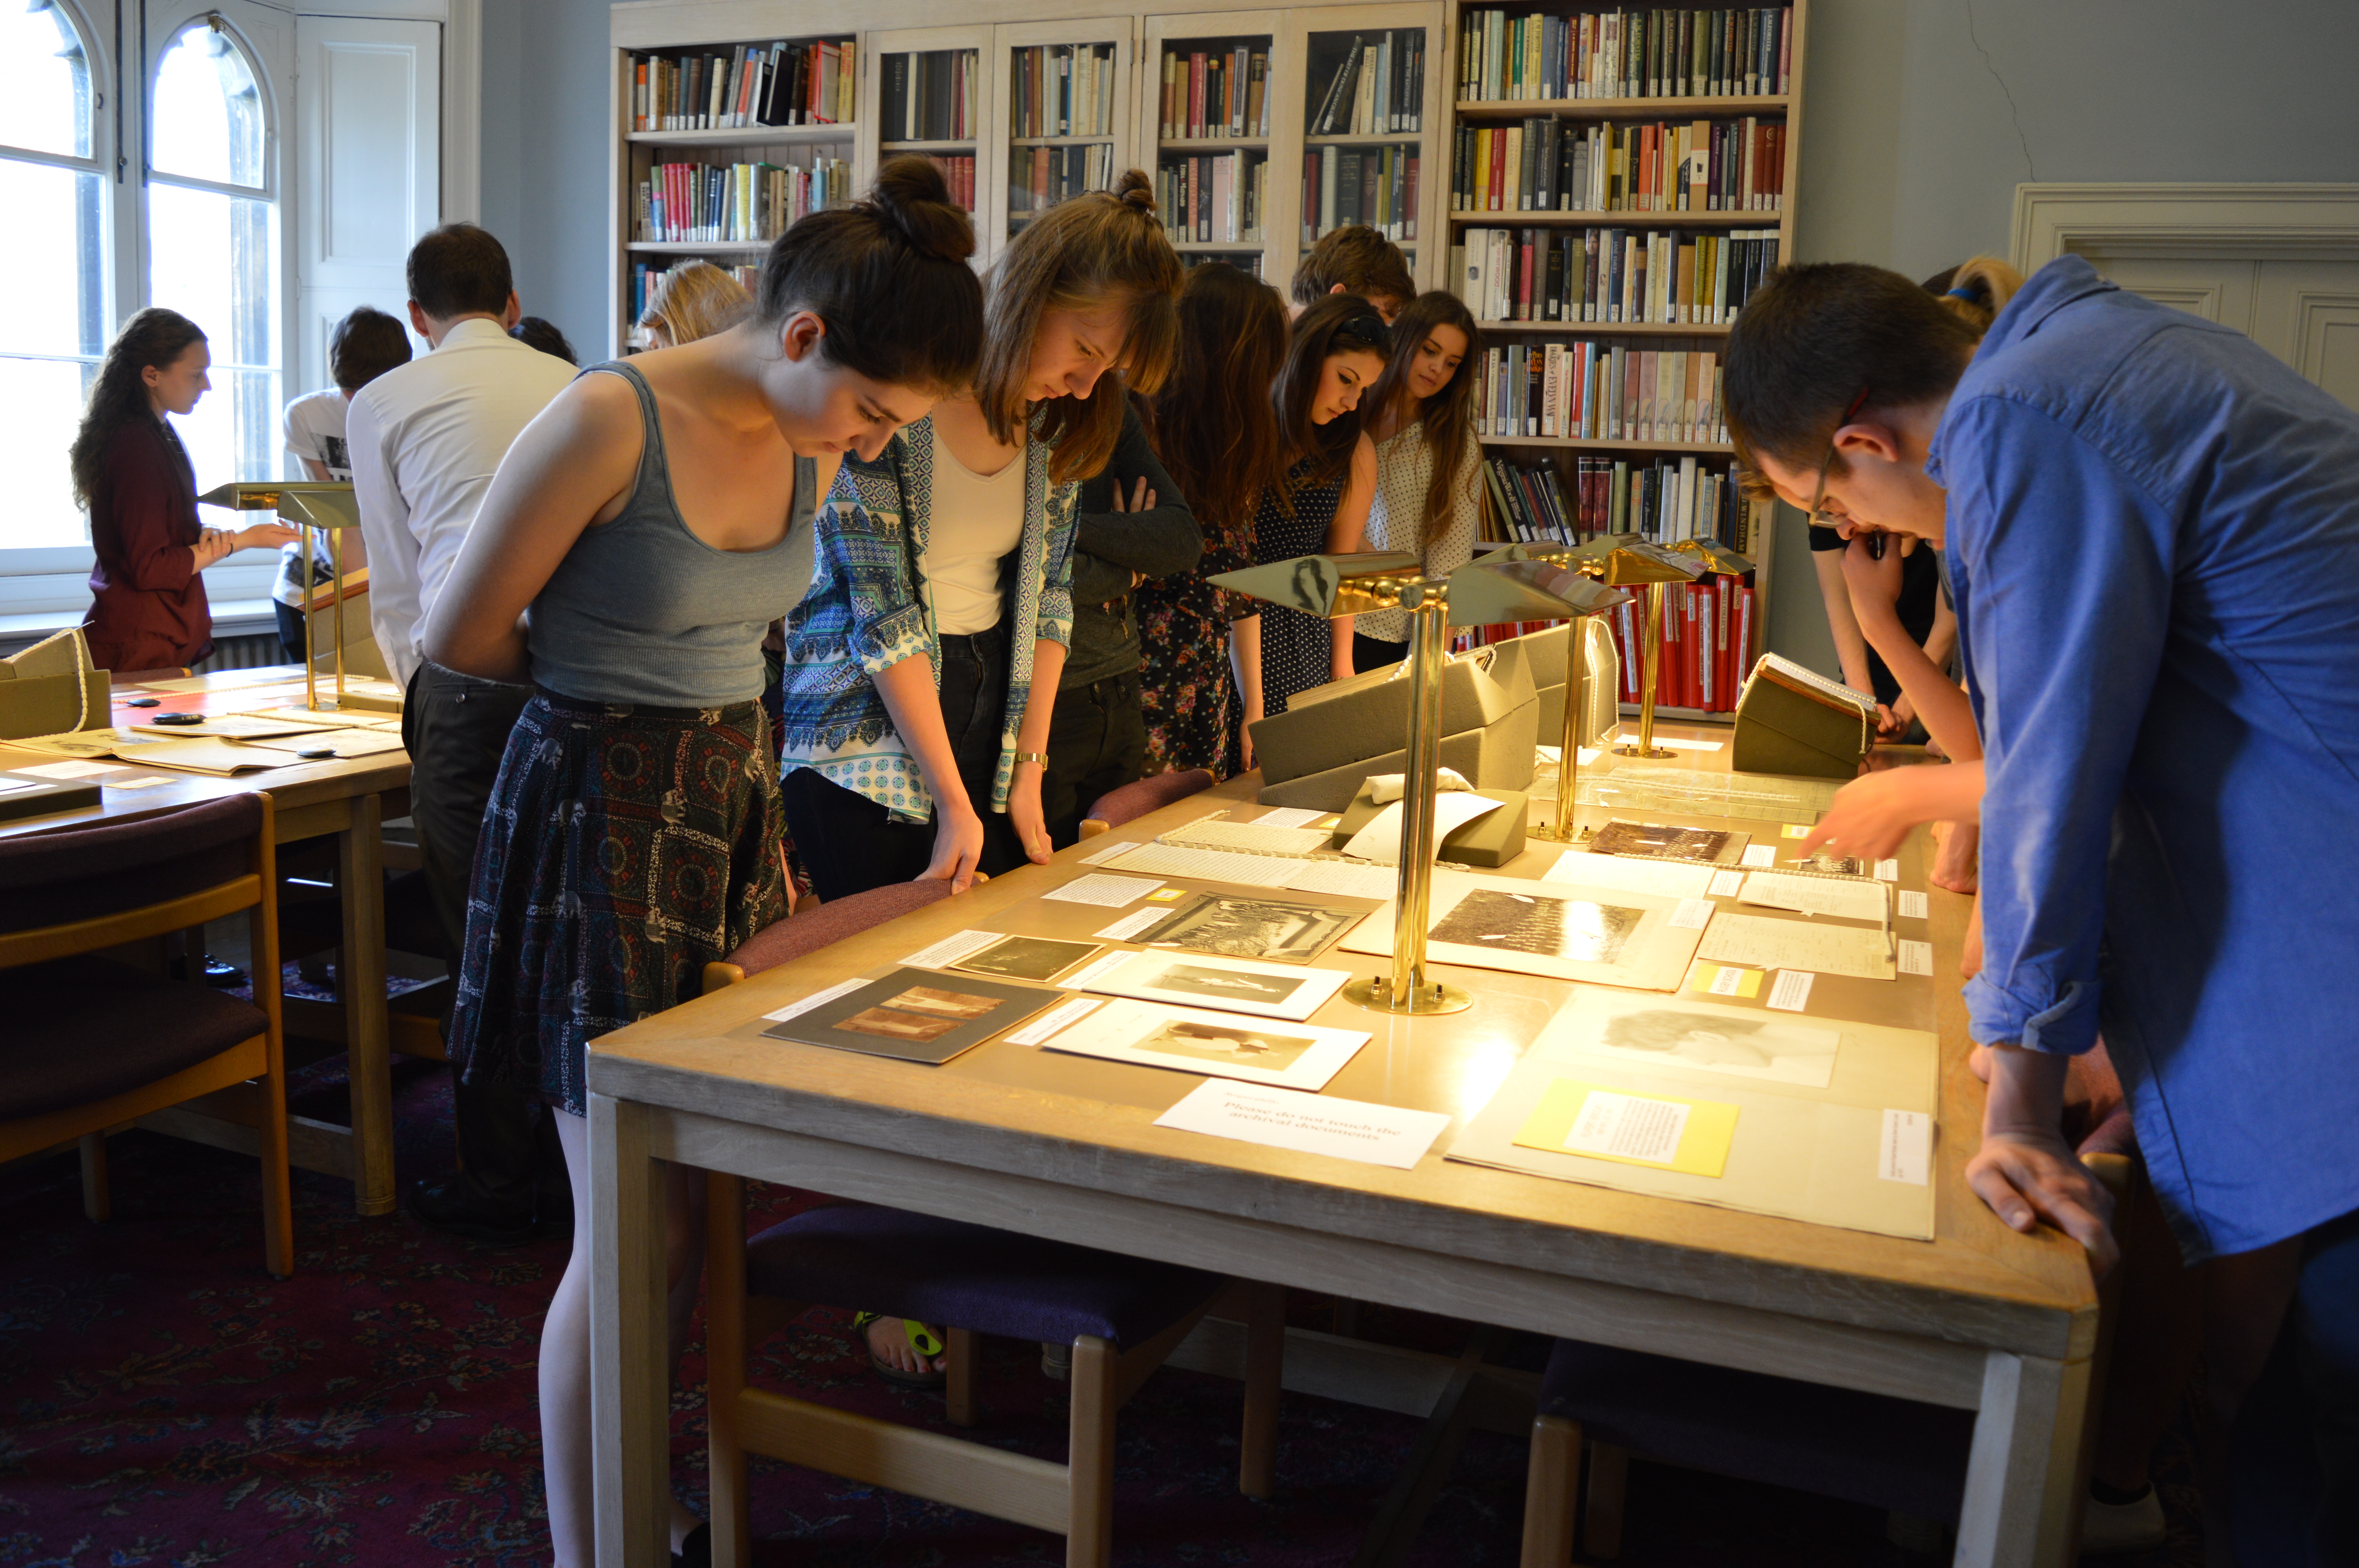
(424, 441)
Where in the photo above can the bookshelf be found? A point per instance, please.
(1652, 207)
(1068, 118)
(697, 173)
(936, 97)
(1211, 86)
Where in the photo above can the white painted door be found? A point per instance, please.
(2303, 311)
(368, 112)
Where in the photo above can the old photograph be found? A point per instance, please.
(940, 1003)
(1027, 957)
(1218, 984)
(1715, 1041)
(893, 1025)
(1659, 841)
(1256, 1046)
(1571, 929)
(1254, 929)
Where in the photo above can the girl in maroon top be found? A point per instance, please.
(148, 608)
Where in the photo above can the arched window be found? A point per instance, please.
(53, 270)
(213, 241)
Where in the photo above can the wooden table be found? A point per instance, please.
(1980, 1318)
(350, 800)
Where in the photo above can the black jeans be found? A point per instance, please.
(1374, 652)
(455, 728)
(850, 843)
(1097, 742)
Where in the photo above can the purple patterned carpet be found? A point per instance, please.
(163, 1401)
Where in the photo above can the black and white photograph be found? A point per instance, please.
(1271, 928)
(1681, 1037)
(1827, 865)
(1574, 930)
(1661, 842)
(1219, 1045)
(1233, 985)
(1027, 957)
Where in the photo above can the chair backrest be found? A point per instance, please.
(832, 922)
(84, 889)
(1136, 798)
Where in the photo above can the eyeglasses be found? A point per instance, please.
(1819, 496)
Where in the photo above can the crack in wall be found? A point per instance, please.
(2015, 113)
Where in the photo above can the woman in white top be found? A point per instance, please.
(942, 600)
(1429, 467)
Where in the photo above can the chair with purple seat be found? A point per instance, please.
(1123, 1317)
(91, 1042)
(1875, 1449)
(1136, 798)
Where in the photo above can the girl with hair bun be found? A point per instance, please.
(654, 520)
(1338, 349)
(148, 608)
(1420, 415)
(914, 745)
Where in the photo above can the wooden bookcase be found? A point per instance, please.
(1303, 44)
(1562, 452)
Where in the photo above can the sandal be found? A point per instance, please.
(924, 1339)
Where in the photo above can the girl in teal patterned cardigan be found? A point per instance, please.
(940, 600)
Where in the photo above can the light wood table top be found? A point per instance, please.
(1979, 1317)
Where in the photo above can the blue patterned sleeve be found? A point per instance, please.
(861, 542)
(1056, 619)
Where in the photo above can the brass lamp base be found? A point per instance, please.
(1656, 752)
(1376, 994)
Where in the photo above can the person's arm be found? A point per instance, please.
(573, 465)
(2064, 570)
(390, 546)
(1873, 589)
(1347, 534)
(2024, 1170)
(1163, 539)
(915, 705)
(1843, 623)
(1455, 548)
(1025, 813)
(1874, 814)
(1244, 659)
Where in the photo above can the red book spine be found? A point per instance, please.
(1196, 94)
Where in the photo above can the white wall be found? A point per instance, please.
(1923, 117)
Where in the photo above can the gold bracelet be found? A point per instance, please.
(1032, 757)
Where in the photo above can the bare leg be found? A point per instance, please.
(565, 1454)
(1954, 857)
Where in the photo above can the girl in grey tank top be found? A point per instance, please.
(641, 610)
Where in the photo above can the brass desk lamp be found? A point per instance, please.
(308, 504)
(1481, 593)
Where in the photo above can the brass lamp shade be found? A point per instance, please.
(1485, 593)
(1718, 558)
(323, 503)
(1328, 586)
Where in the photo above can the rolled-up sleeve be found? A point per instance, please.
(2063, 607)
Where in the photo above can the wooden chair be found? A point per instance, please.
(1136, 798)
(1123, 1316)
(1875, 1449)
(92, 1043)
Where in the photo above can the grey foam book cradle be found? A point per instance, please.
(1319, 751)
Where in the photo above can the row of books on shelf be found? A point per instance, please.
(1378, 86)
(1659, 53)
(1707, 644)
(1547, 164)
(1215, 92)
(1666, 500)
(645, 276)
(931, 95)
(1377, 186)
(702, 203)
(1051, 174)
(1061, 89)
(958, 173)
(1661, 277)
(753, 84)
(1214, 198)
(1588, 391)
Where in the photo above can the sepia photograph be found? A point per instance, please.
(1823, 863)
(1027, 957)
(940, 1003)
(893, 1025)
(1254, 929)
(1772, 1048)
(1571, 929)
(1229, 1043)
(1659, 841)
(1231, 985)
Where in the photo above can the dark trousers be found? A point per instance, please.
(1097, 742)
(2295, 1453)
(850, 843)
(291, 630)
(1374, 652)
(455, 728)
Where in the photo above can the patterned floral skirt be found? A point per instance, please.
(622, 851)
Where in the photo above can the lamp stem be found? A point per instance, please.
(310, 670)
(1653, 671)
(336, 594)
